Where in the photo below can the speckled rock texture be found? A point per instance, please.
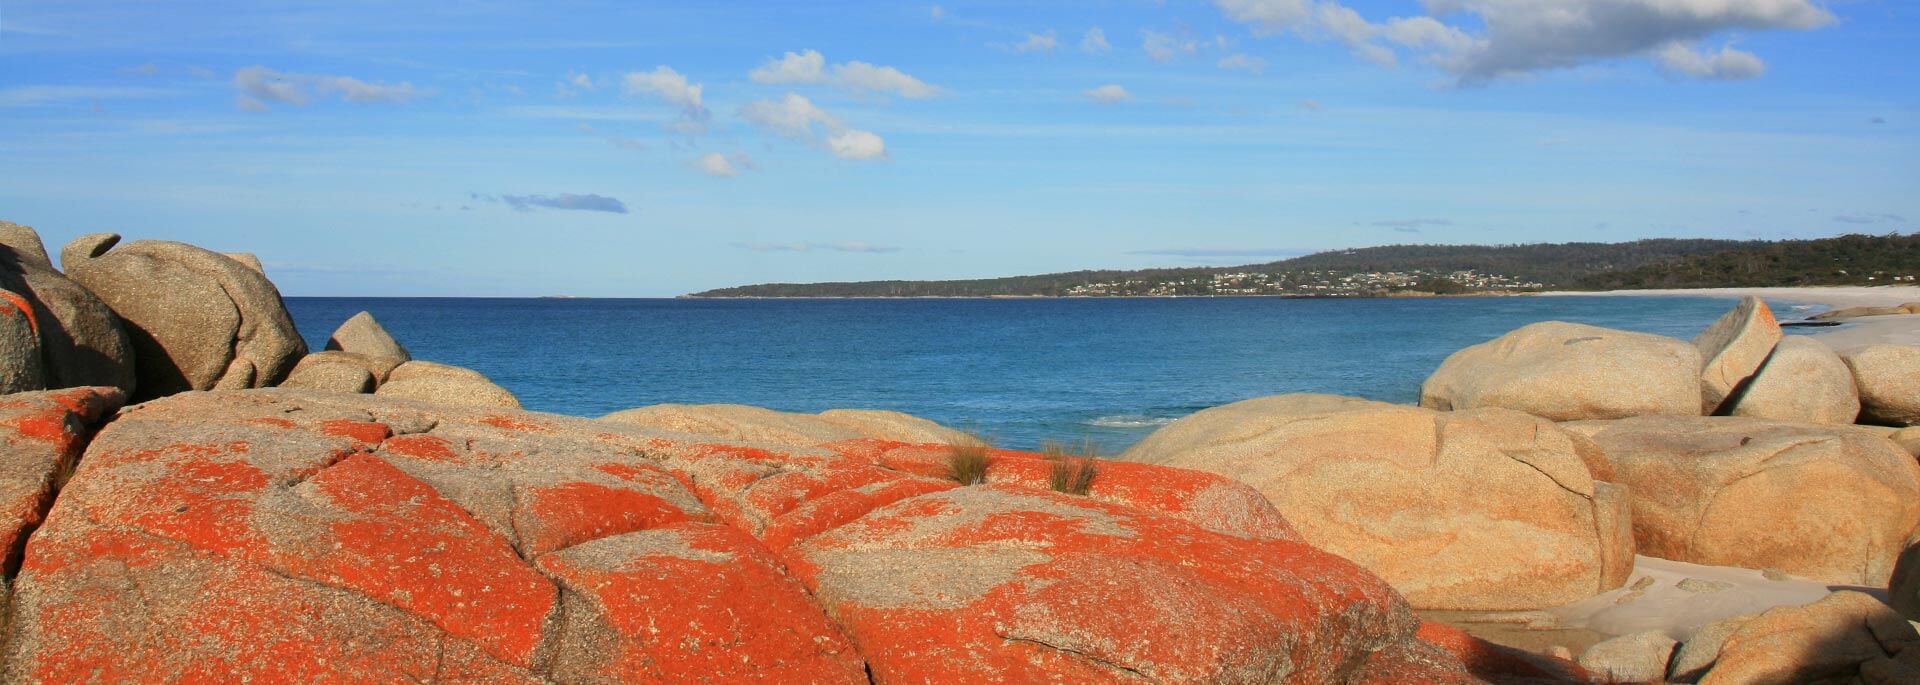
(445, 384)
(1483, 509)
(41, 437)
(198, 319)
(1732, 350)
(1889, 381)
(1803, 380)
(297, 536)
(1570, 372)
(756, 424)
(361, 334)
(81, 342)
(1830, 503)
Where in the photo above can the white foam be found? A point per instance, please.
(1130, 421)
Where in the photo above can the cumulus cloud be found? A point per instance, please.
(1110, 94)
(1243, 62)
(1503, 38)
(810, 67)
(835, 246)
(1095, 42)
(1728, 64)
(260, 88)
(669, 85)
(798, 118)
(716, 164)
(1039, 42)
(1163, 47)
(566, 201)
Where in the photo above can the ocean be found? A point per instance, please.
(1105, 371)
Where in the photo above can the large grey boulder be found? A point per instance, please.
(1889, 380)
(1732, 350)
(445, 384)
(363, 335)
(20, 366)
(1830, 503)
(1803, 380)
(1480, 509)
(332, 372)
(81, 341)
(198, 320)
(1569, 372)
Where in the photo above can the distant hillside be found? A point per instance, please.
(1666, 263)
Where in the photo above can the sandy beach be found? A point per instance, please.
(1856, 333)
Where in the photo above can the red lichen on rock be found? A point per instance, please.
(568, 514)
(427, 447)
(694, 601)
(21, 307)
(522, 424)
(368, 432)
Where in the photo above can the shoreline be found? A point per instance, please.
(1853, 334)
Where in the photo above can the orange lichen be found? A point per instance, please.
(517, 424)
(364, 431)
(427, 447)
(571, 513)
(23, 307)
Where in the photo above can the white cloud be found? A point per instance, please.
(1110, 94)
(1728, 64)
(716, 164)
(1516, 37)
(1243, 62)
(1163, 47)
(796, 117)
(261, 87)
(581, 81)
(669, 85)
(810, 67)
(795, 67)
(854, 144)
(1095, 41)
(864, 77)
(1039, 42)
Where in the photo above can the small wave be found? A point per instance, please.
(1129, 421)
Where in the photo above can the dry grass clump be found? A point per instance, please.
(967, 459)
(1070, 474)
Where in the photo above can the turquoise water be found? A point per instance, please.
(1021, 371)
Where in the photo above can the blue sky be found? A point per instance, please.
(652, 149)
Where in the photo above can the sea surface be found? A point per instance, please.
(1108, 371)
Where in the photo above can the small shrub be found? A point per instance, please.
(967, 460)
(1072, 475)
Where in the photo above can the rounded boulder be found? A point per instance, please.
(1804, 380)
(1568, 372)
(1486, 509)
(1889, 380)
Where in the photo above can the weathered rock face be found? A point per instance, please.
(756, 424)
(1833, 504)
(363, 335)
(1569, 372)
(81, 342)
(1848, 635)
(332, 372)
(1803, 380)
(1478, 509)
(444, 384)
(1637, 658)
(316, 537)
(1732, 350)
(20, 366)
(1889, 380)
(41, 436)
(197, 319)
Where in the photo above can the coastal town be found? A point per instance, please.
(1310, 284)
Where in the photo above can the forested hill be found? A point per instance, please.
(1665, 263)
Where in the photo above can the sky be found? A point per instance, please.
(642, 149)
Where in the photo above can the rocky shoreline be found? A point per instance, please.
(192, 496)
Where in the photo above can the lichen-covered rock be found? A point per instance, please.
(444, 384)
(41, 436)
(1889, 380)
(21, 368)
(1831, 638)
(298, 536)
(1803, 380)
(1478, 509)
(81, 342)
(1569, 372)
(360, 334)
(1830, 503)
(198, 320)
(1732, 350)
(756, 424)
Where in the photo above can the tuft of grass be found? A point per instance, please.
(1072, 475)
(967, 460)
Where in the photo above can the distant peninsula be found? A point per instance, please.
(1415, 270)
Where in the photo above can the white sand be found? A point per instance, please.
(1798, 303)
(1717, 592)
